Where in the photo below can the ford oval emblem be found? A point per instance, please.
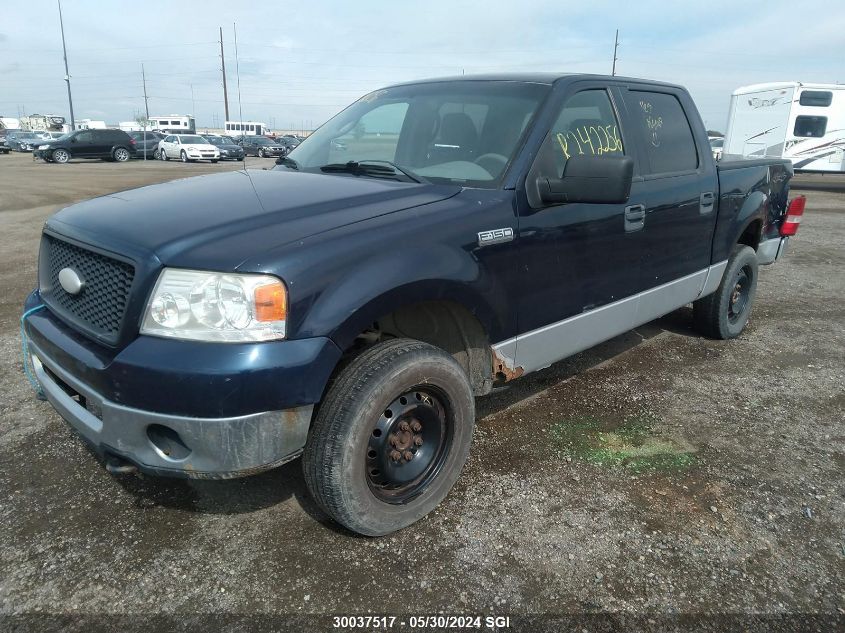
(71, 281)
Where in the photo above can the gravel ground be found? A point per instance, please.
(658, 473)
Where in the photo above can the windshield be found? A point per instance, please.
(193, 139)
(463, 132)
(216, 140)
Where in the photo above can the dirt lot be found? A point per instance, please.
(659, 473)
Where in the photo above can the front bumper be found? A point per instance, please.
(769, 251)
(213, 448)
(237, 408)
(203, 156)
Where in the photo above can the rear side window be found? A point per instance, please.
(810, 126)
(669, 143)
(818, 98)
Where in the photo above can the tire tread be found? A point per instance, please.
(336, 412)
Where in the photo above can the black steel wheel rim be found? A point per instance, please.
(740, 295)
(408, 445)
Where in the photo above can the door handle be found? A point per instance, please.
(634, 217)
(705, 202)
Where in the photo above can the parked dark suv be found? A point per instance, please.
(105, 144)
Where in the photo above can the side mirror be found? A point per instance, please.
(598, 179)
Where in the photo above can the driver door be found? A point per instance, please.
(82, 145)
(581, 262)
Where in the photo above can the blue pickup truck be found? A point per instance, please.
(432, 240)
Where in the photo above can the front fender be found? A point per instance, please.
(402, 277)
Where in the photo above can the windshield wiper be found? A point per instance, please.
(372, 168)
(287, 162)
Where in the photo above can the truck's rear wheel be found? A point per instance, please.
(725, 313)
(391, 437)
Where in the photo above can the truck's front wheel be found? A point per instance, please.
(391, 437)
(724, 313)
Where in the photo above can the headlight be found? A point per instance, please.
(207, 306)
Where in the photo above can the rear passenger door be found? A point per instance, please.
(679, 187)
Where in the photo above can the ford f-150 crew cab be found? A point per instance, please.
(430, 241)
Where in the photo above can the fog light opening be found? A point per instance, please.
(167, 442)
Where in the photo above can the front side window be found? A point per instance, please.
(464, 132)
(586, 126)
(810, 126)
(669, 143)
(817, 98)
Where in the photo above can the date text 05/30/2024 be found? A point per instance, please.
(352, 622)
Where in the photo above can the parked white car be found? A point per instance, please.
(187, 148)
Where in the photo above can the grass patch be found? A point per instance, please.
(630, 443)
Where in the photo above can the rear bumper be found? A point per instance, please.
(769, 251)
(215, 448)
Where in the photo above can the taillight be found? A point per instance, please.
(132, 141)
(793, 216)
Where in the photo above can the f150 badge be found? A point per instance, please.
(495, 236)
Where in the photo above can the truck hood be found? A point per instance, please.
(218, 221)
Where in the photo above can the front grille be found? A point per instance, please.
(100, 306)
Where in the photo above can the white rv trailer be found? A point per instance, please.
(43, 123)
(91, 124)
(174, 124)
(799, 121)
(9, 123)
(245, 128)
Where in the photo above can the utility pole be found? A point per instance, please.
(146, 109)
(615, 46)
(223, 62)
(146, 103)
(67, 72)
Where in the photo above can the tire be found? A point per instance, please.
(261, 153)
(121, 154)
(61, 156)
(400, 398)
(724, 313)
(163, 155)
(184, 157)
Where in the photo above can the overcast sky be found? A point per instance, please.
(302, 62)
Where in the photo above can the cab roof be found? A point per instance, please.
(547, 78)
